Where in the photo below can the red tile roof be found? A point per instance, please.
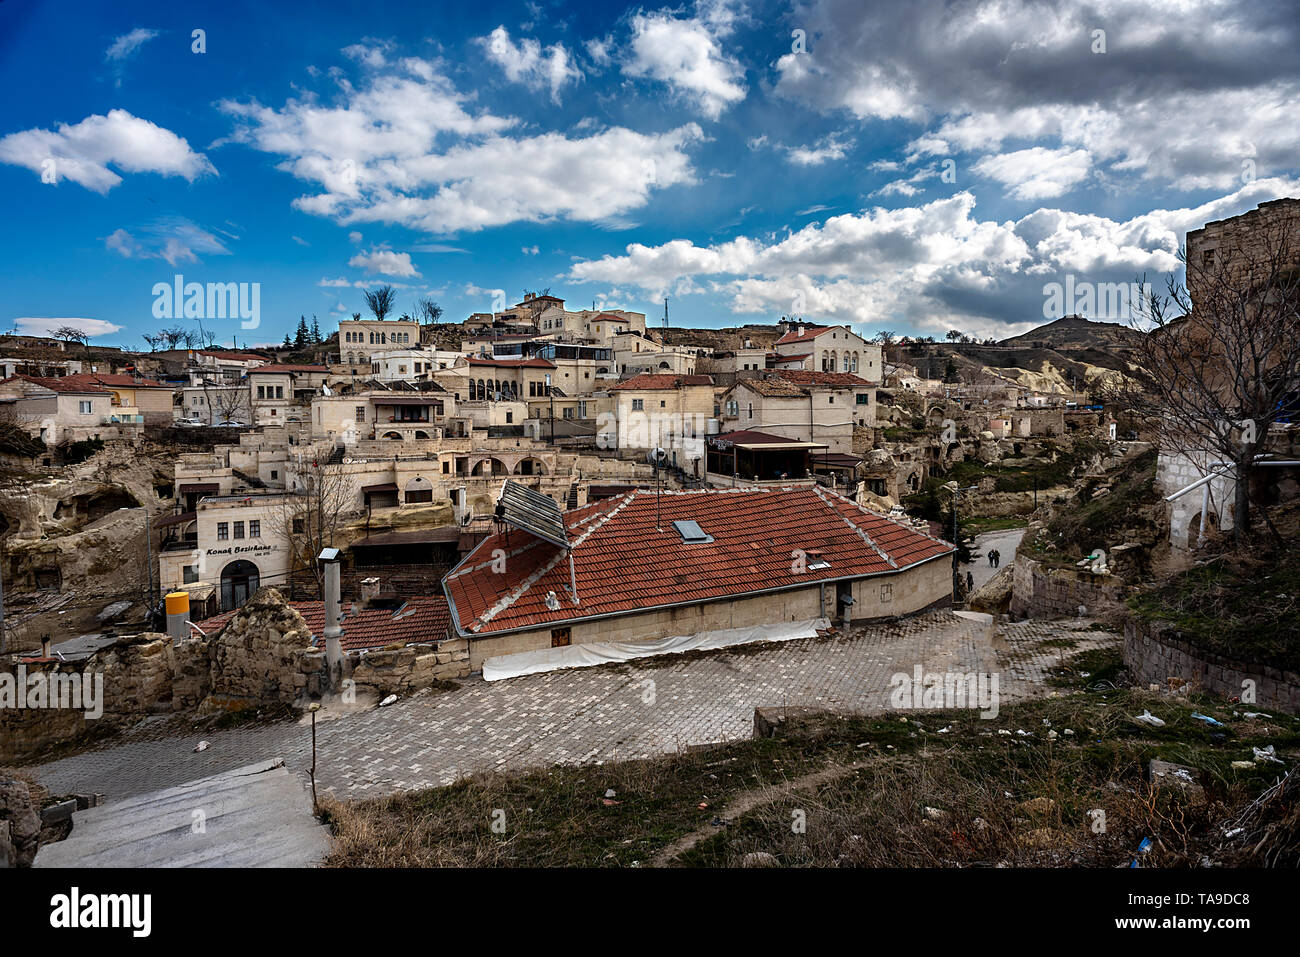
(807, 377)
(657, 381)
(809, 332)
(622, 564)
(420, 619)
(533, 363)
(118, 380)
(67, 383)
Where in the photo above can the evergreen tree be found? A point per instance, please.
(288, 343)
(315, 330)
(304, 334)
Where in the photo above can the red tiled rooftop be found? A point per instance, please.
(117, 380)
(807, 377)
(533, 363)
(420, 619)
(67, 383)
(809, 332)
(657, 381)
(622, 564)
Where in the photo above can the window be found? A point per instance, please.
(559, 637)
(298, 526)
(84, 407)
(239, 530)
(568, 412)
(361, 413)
(864, 398)
(261, 392)
(279, 392)
(662, 403)
(188, 574)
(446, 468)
(223, 531)
(510, 417)
(638, 405)
(275, 474)
(255, 528)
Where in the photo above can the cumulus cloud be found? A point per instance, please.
(41, 326)
(1037, 173)
(686, 54)
(404, 148)
(1183, 95)
(527, 63)
(385, 262)
(923, 265)
(82, 152)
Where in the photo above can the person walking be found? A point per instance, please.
(970, 583)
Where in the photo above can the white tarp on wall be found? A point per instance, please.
(604, 652)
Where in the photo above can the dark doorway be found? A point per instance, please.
(238, 582)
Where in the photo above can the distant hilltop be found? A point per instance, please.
(1075, 332)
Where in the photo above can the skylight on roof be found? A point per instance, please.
(691, 532)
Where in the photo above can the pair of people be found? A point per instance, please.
(995, 558)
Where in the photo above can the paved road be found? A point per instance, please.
(1006, 541)
(588, 715)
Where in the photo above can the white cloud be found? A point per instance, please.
(406, 150)
(525, 62)
(354, 237)
(38, 326)
(173, 239)
(1037, 173)
(300, 241)
(687, 55)
(385, 262)
(125, 45)
(82, 152)
(926, 265)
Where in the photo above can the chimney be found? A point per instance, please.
(369, 591)
(45, 646)
(799, 330)
(329, 557)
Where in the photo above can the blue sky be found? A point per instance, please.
(912, 167)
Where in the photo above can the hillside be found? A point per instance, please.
(1076, 333)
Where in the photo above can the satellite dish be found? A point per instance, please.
(657, 457)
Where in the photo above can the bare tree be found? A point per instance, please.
(154, 341)
(227, 403)
(428, 310)
(173, 335)
(313, 515)
(71, 334)
(1220, 360)
(381, 301)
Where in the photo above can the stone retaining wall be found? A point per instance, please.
(1153, 654)
(410, 668)
(1039, 590)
